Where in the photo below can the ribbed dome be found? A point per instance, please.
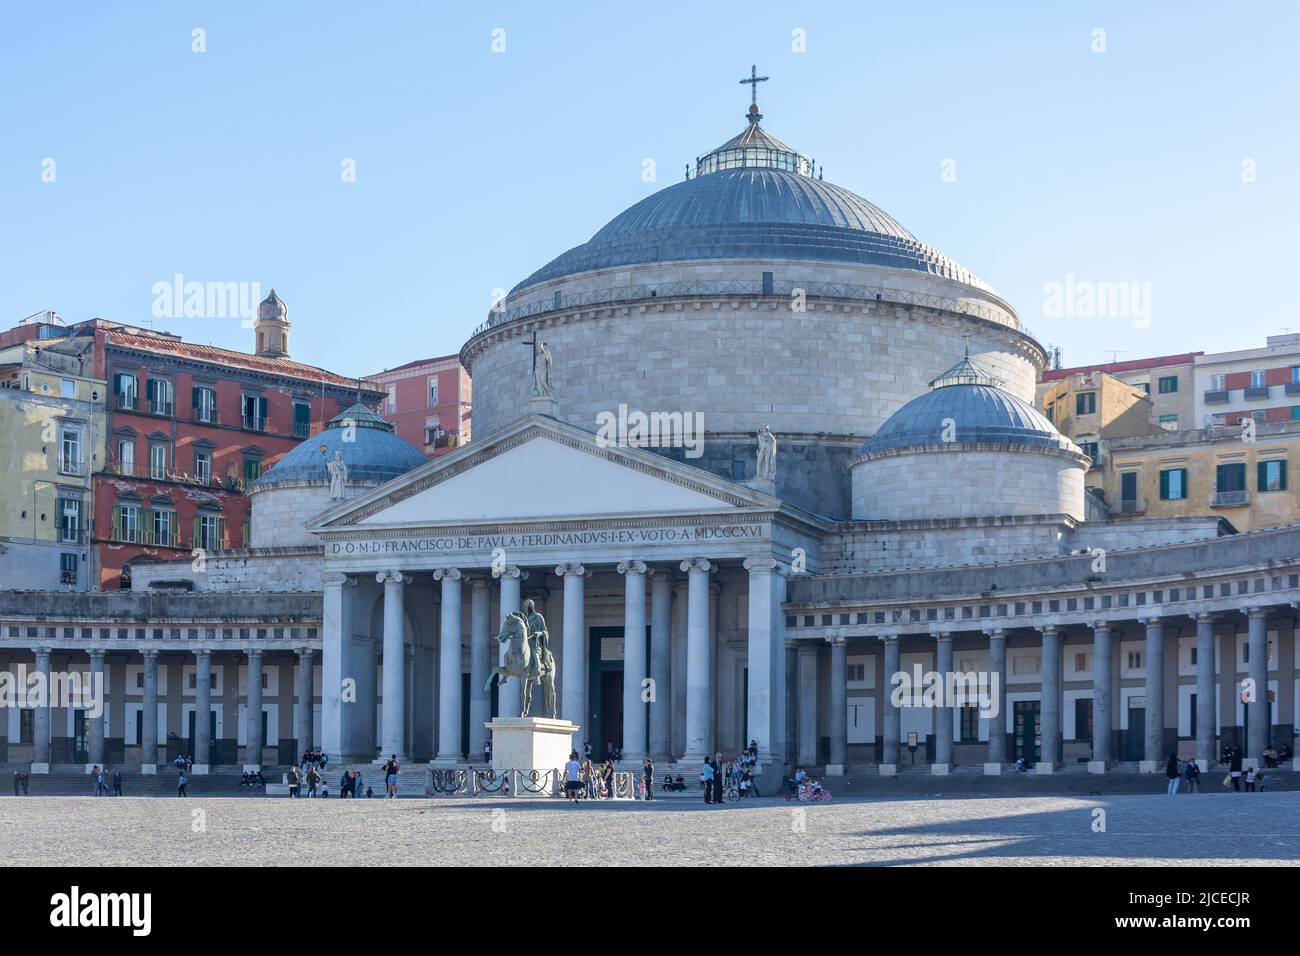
(761, 213)
(976, 414)
(372, 452)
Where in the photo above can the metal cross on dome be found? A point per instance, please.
(753, 81)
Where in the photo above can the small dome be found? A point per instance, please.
(370, 449)
(273, 307)
(966, 406)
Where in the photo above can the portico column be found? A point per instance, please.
(253, 714)
(202, 710)
(634, 721)
(1206, 731)
(807, 703)
(943, 715)
(149, 715)
(573, 678)
(480, 663)
(510, 700)
(997, 725)
(449, 667)
(839, 707)
(759, 654)
(1257, 671)
(1051, 697)
(100, 689)
(1155, 693)
(1102, 698)
(338, 703)
(305, 692)
(394, 666)
(698, 676)
(41, 722)
(893, 716)
(661, 703)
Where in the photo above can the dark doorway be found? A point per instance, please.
(604, 690)
(1135, 740)
(80, 735)
(1027, 734)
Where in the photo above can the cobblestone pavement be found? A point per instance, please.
(1210, 829)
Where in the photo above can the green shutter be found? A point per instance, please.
(221, 534)
(1164, 486)
(1261, 475)
(1281, 475)
(117, 522)
(261, 409)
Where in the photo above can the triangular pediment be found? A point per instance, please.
(540, 470)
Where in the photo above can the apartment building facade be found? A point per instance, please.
(428, 402)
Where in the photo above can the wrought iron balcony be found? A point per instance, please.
(1218, 396)
(1132, 506)
(1230, 499)
(1256, 392)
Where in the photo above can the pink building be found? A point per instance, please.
(428, 401)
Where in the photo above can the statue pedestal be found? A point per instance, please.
(544, 406)
(531, 743)
(764, 486)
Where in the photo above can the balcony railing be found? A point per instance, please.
(127, 401)
(1257, 392)
(255, 423)
(67, 577)
(1132, 506)
(301, 429)
(162, 408)
(72, 535)
(147, 536)
(1293, 388)
(1229, 499)
(1218, 396)
(71, 466)
(207, 416)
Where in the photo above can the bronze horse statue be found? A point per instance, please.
(528, 659)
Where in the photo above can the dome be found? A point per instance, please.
(753, 198)
(372, 453)
(272, 307)
(966, 406)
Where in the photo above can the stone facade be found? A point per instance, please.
(960, 481)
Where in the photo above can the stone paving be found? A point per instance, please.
(1207, 829)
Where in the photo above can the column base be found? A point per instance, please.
(835, 770)
(252, 767)
(40, 769)
(1096, 766)
(442, 761)
(544, 406)
(993, 770)
(201, 769)
(940, 769)
(693, 760)
(1149, 766)
(1044, 767)
(889, 769)
(148, 769)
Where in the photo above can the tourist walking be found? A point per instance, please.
(648, 775)
(295, 781)
(101, 788)
(1234, 767)
(181, 781)
(572, 777)
(391, 770)
(117, 783)
(1172, 773)
(1250, 780)
(706, 774)
(313, 781)
(487, 751)
(18, 781)
(1192, 775)
(717, 778)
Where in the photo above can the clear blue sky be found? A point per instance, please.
(474, 168)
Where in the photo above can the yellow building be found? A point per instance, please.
(52, 423)
(1093, 408)
(1240, 473)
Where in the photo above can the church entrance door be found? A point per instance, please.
(604, 691)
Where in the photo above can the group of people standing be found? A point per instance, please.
(99, 775)
(583, 779)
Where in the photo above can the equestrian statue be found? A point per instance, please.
(528, 656)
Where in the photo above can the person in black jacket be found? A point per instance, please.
(718, 783)
(1234, 768)
(1172, 774)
